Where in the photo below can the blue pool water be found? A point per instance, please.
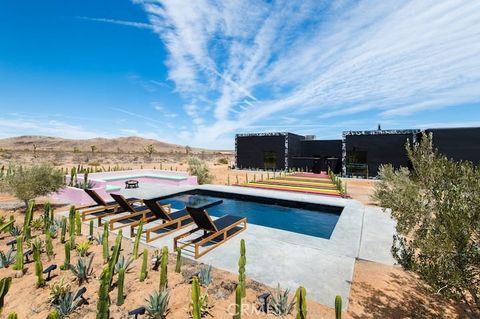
(304, 221)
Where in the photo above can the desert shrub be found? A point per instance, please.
(222, 160)
(437, 210)
(199, 168)
(27, 183)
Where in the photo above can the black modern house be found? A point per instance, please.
(358, 153)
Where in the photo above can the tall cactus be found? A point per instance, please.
(196, 311)
(301, 303)
(5, 284)
(90, 230)
(71, 226)
(143, 271)
(120, 284)
(103, 304)
(46, 217)
(49, 245)
(85, 180)
(163, 269)
(12, 315)
(53, 314)
(19, 258)
(63, 229)
(28, 219)
(178, 263)
(136, 243)
(242, 261)
(238, 302)
(66, 263)
(338, 307)
(105, 251)
(78, 224)
(115, 254)
(38, 263)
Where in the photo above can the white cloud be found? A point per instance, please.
(135, 24)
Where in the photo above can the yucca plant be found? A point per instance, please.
(82, 269)
(157, 304)
(280, 306)
(6, 259)
(205, 275)
(82, 248)
(67, 304)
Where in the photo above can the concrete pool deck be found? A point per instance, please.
(323, 266)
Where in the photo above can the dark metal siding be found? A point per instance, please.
(458, 143)
(251, 150)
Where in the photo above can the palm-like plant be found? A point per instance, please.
(157, 305)
(82, 269)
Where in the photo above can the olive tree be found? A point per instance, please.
(27, 183)
(437, 209)
(199, 168)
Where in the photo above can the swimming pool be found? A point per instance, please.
(319, 222)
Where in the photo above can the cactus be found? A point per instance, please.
(143, 271)
(28, 219)
(63, 227)
(338, 307)
(78, 224)
(103, 304)
(196, 312)
(49, 245)
(38, 263)
(301, 296)
(85, 180)
(238, 302)
(46, 217)
(90, 230)
(242, 261)
(178, 263)
(120, 283)
(66, 264)
(53, 315)
(19, 258)
(105, 243)
(115, 254)
(163, 269)
(71, 226)
(5, 284)
(12, 315)
(136, 243)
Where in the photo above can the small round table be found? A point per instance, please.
(131, 183)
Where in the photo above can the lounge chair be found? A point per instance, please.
(102, 208)
(215, 232)
(170, 221)
(136, 213)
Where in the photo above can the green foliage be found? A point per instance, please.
(58, 289)
(28, 220)
(205, 275)
(163, 269)
(301, 296)
(238, 302)
(71, 226)
(63, 227)
(78, 224)
(157, 304)
(436, 207)
(90, 230)
(120, 284)
(47, 220)
(103, 304)
(53, 314)
(196, 314)
(178, 263)
(338, 307)
(280, 306)
(36, 248)
(15, 231)
(12, 315)
(105, 251)
(27, 183)
(136, 243)
(19, 258)
(6, 259)
(82, 269)
(82, 248)
(124, 263)
(222, 160)
(5, 284)
(198, 167)
(242, 261)
(49, 245)
(66, 263)
(37, 224)
(143, 271)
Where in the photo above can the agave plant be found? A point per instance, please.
(205, 275)
(37, 224)
(157, 304)
(7, 259)
(53, 229)
(123, 263)
(82, 248)
(15, 231)
(82, 269)
(99, 238)
(280, 305)
(67, 304)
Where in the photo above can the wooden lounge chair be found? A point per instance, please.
(170, 221)
(102, 208)
(136, 213)
(215, 232)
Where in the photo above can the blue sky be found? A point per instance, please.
(197, 72)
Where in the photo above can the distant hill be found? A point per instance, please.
(131, 144)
